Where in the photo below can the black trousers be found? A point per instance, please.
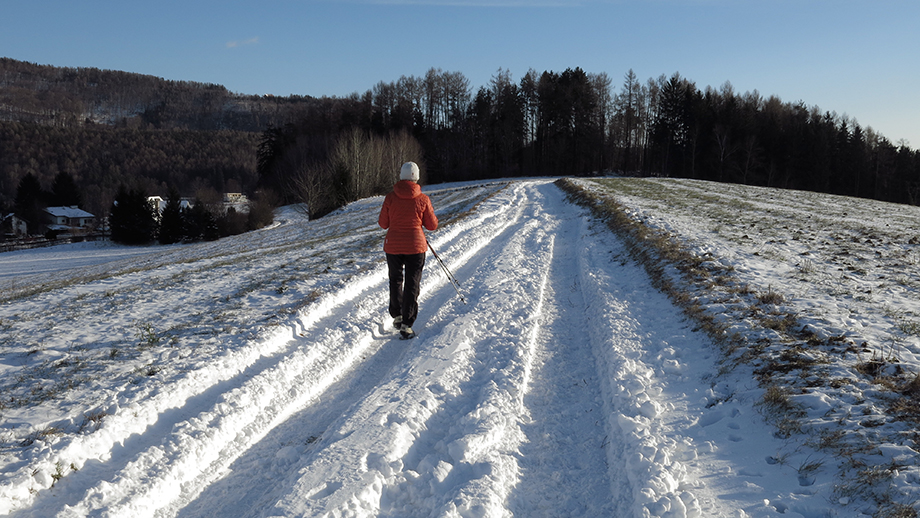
(405, 281)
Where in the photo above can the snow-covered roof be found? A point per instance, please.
(160, 204)
(69, 212)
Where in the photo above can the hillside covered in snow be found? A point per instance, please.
(681, 349)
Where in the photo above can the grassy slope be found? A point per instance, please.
(814, 296)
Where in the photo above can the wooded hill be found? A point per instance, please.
(75, 97)
(107, 128)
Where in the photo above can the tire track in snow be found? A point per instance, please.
(563, 467)
(166, 473)
(441, 435)
(314, 422)
(133, 426)
(639, 339)
(221, 423)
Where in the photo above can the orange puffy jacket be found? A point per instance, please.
(405, 210)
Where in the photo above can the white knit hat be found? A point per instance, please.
(409, 171)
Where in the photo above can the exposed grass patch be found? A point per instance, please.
(771, 297)
(93, 420)
(909, 327)
(41, 435)
(147, 335)
(779, 409)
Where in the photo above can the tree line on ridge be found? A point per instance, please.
(575, 123)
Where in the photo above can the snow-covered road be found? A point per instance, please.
(565, 385)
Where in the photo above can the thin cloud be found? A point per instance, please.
(241, 43)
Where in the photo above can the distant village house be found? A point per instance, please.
(236, 201)
(59, 221)
(72, 220)
(158, 203)
(231, 200)
(13, 226)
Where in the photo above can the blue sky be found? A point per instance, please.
(858, 58)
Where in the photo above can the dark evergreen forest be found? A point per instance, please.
(109, 128)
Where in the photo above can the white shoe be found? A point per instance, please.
(406, 332)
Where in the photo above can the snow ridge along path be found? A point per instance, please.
(566, 386)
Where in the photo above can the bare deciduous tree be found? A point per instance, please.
(359, 165)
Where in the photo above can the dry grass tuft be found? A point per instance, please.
(771, 298)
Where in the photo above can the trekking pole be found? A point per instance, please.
(450, 277)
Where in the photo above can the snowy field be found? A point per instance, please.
(259, 376)
(19, 265)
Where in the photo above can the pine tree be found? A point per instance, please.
(64, 191)
(199, 223)
(132, 219)
(30, 201)
(171, 224)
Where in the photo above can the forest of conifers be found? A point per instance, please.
(108, 128)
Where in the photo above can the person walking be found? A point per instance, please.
(404, 212)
